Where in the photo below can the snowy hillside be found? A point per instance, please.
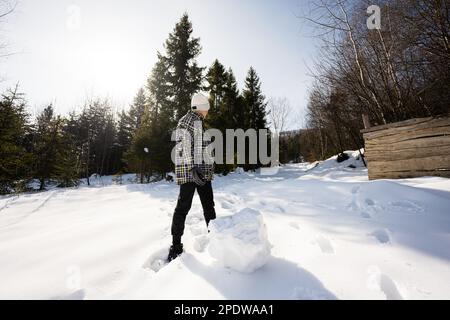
(332, 235)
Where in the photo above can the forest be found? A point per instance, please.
(64, 149)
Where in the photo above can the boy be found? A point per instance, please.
(191, 175)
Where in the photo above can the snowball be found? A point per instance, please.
(146, 150)
(240, 241)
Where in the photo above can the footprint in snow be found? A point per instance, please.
(157, 260)
(389, 288)
(307, 293)
(406, 205)
(193, 219)
(294, 225)
(381, 235)
(198, 229)
(382, 282)
(365, 215)
(355, 189)
(201, 242)
(230, 201)
(76, 295)
(325, 245)
(353, 206)
(226, 205)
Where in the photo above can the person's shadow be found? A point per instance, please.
(277, 279)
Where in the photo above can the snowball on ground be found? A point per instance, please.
(240, 241)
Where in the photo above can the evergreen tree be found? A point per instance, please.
(15, 159)
(75, 133)
(161, 117)
(128, 124)
(174, 79)
(66, 168)
(159, 87)
(137, 109)
(138, 156)
(185, 76)
(151, 145)
(232, 104)
(125, 130)
(220, 116)
(125, 133)
(46, 144)
(216, 78)
(255, 106)
(96, 139)
(54, 151)
(232, 110)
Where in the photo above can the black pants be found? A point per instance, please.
(184, 203)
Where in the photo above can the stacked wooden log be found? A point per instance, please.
(412, 148)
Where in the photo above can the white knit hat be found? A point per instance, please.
(199, 102)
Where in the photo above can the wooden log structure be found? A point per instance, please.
(407, 149)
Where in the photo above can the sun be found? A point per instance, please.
(105, 66)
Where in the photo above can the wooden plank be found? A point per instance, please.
(438, 122)
(435, 125)
(409, 144)
(412, 135)
(420, 164)
(404, 154)
(396, 124)
(408, 174)
(403, 124)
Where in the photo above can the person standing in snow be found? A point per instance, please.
(191, 174)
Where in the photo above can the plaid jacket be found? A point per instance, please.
(189, 151)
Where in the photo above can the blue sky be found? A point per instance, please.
(110, 49)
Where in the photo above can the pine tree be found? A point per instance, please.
(125, 130)
(151, 143)
(54, 151)
(161, 116)
(66, 168)
(254, 106)
(96, 139)
(161, 106)
(138, 156)
(46, 144)
(232, 103)
(219, 116)
(137, 109)
(185, 76)
(174, 79)
(216, 78)
(15, 160)
(254, 100)
(232, 111)
(127, 126)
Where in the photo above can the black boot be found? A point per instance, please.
(175, 251)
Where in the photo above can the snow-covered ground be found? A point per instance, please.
(333, 235)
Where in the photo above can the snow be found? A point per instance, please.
(240, 241)
(333, 235)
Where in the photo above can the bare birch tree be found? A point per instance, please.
(279, 113)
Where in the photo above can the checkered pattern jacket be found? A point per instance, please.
(189, 151)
